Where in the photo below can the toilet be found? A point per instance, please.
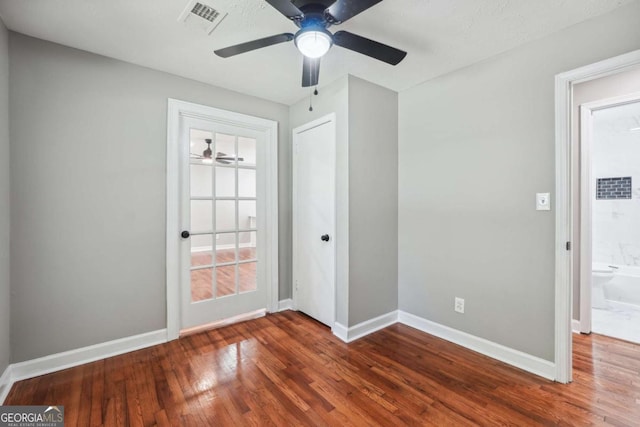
(600, 276)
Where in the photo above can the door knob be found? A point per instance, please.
(324, 238)
(185, 234)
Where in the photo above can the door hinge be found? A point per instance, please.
(568, 246)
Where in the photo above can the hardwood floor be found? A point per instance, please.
(287, 369)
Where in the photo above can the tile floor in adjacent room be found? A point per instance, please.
(618, 321)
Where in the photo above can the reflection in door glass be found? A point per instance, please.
(246, 182)
(201, 284)
(225, 280)
(225, 150)
(225, 182)
(200, 142)
(225, 215)
(247, 243)
(201, 215)
(246, 214)
(201, 250)
(225, 248)
(247, 151)
(201, 180)
(247, 276)
(227, 172)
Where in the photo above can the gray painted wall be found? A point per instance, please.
(367, 190)
(475, 147)
(594, 90)
(88, 194)
(373, 201)
(334, 98)
(5, 349)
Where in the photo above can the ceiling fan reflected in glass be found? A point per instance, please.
(313, 39)
(222, 158)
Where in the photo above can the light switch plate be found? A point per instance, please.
(543, 201)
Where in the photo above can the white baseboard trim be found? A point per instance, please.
(340, 331)
(575, 326)
(56, 362)
(349, 334)
(68, 359)
(5, 384)
(521, 360)
(285, 304)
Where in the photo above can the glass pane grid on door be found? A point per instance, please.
(223, 217)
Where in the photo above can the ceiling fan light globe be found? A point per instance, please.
(313, 43)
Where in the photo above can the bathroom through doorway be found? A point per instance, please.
(607, 263)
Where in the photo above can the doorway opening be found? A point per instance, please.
(222, 218)
(567, 243)
(609, 258)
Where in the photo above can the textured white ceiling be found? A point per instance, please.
(439, 36)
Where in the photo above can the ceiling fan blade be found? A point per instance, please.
(223, 162)
(310, 71)
(223, 158)
(368, 47)
(253, 45)
(196, 156)
(287, 8)
(342, 10)
(231, 159)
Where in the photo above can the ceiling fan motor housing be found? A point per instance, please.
(207, 153)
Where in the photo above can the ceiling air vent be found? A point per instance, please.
(201, 15)
(204, 11)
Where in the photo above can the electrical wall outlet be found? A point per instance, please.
(459, 305)
(543, 201)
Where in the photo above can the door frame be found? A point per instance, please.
(565, 189)
(586, 199)
(329, 118)
(177, 109)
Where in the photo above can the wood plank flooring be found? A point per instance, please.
(286, 369)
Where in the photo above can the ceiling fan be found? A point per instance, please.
(313, 39)
(222, 158)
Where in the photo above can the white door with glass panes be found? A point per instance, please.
(223, 221)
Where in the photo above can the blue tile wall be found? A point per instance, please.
(613, 188)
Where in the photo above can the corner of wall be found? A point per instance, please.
(373, 201)
(5, 227)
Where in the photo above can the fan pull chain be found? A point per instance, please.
(315, 92)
